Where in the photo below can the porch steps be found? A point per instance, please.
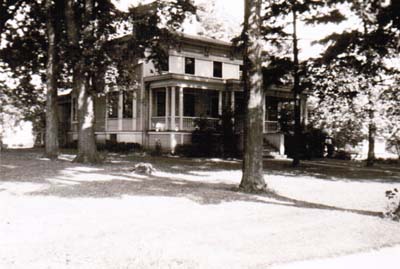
(270, 152)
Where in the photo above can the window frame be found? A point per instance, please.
(190, 69)
(219, 70)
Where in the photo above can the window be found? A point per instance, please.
(214, 107)
(189, 65)
(189, 105)
(160, 99)
(113, 98)
(164, 64)
(218, 69)
(127, 111)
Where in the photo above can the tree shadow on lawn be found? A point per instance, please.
(348, 171)
(197, 191)
(326, 169)
(117, 182)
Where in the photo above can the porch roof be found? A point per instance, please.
(188, 81)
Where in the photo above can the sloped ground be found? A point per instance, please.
(189, 214)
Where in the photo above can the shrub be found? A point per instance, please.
(185, 150)
(342, 155)
(114, 146)
(205, 143)
(157, 149)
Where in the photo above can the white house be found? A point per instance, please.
(203, 77)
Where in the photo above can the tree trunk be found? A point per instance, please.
(51, 139)
(371, 143)
(87, 151)
(253, 178)
(296, 94)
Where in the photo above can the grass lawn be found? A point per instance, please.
(189, 214)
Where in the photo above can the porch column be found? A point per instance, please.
(166, 127)
(150, 106)
(304, 110)
(134, 110)
(120, 109)
(173, 108)
(233, 101)
(264, 112)
(180, 108)
(219, 102)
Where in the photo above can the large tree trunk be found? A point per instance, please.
(51, 139)
(253, 178)
(371, 143)
(296, 95)
(87, 151)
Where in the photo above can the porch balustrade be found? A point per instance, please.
(188, 123)
(271, 127)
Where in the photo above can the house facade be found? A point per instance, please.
(201, 80)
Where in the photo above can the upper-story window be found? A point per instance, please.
(217, 69)
(189, 65)
(164, 64)
(241, 71)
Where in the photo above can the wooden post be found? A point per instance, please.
(134, 111)
(120, 109)
(150, 106)
(166, 127)
(233, 101)
(264, 127)
(180, 108)
(219, 102)
(173, 108)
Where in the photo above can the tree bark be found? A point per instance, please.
(253, 177)
(87, 151)
(51, 138)
(296, 94)
(371, 143)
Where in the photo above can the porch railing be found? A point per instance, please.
(271, 127)
(188, 123)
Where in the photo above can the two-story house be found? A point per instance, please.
(202, 77)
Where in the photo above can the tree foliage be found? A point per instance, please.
(280, 30)
(84, 31)
(354, 81)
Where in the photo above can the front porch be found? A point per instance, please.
(179, 109)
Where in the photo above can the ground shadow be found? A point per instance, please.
(120, 181)
(197, 191)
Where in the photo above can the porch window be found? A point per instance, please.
(218, 69)
(127, 111)
(189, 65)
(160, 105)
(189, 105)
(113, 98)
